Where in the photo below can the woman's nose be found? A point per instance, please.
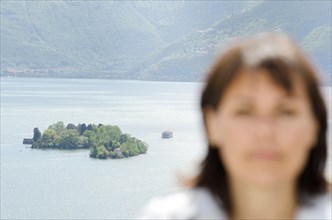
(264, 127)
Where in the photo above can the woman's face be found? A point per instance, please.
(264, 135)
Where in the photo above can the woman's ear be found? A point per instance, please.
(211, 124)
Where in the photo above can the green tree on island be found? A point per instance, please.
(104, 141)
(36, 134)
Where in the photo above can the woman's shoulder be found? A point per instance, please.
(197, 203)
(319, 207)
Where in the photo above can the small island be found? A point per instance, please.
(104, 141)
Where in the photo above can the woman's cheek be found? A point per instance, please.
(296, 135)
(294, 139)
(237, 140)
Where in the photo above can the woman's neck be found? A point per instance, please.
(253, 202)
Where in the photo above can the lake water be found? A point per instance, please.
(54, 184)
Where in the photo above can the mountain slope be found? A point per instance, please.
(95, 39)
(187, 59)
(69, 35)
(148, 40)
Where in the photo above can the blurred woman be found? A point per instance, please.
(266, 126)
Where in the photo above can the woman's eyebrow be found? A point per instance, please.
(289, 98)
(240, 97)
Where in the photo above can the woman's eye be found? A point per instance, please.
(287, 112)
(243, 112)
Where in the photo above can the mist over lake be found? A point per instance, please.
(67, 184)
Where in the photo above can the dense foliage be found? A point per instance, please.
(104, 141)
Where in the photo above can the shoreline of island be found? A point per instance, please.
(104, 141)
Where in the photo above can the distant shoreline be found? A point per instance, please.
(106, 79)
(114, 80)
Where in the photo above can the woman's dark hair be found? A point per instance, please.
(283, 61)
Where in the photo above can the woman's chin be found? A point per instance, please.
(267, 179)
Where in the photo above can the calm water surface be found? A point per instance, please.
(53, 184)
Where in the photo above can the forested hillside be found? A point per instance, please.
(147, 40)
(189, 57)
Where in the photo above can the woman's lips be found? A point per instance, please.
(265, 155)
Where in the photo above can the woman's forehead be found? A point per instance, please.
(260, 84)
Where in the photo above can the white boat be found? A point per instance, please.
(167, 134)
